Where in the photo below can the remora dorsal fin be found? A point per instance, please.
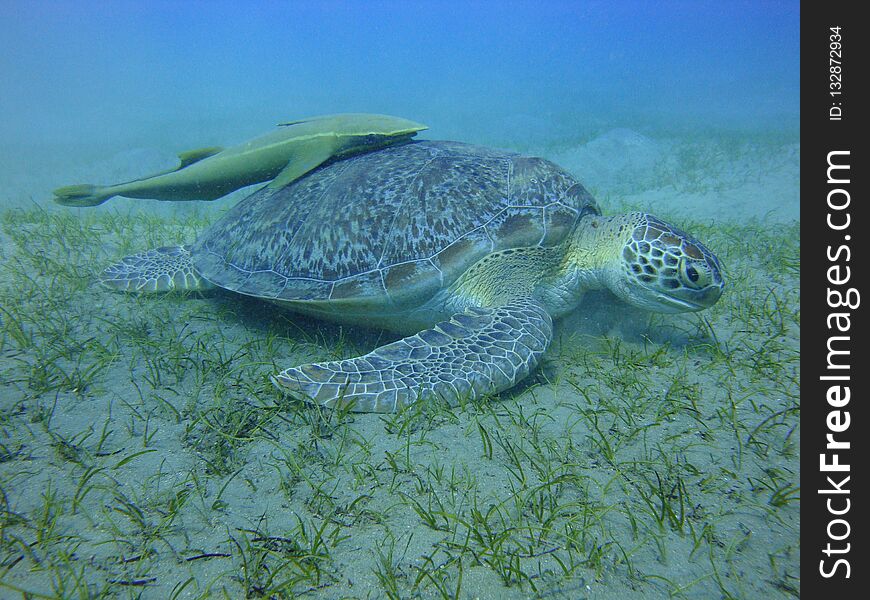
(289, 123)
(308, 120)
(191, 156)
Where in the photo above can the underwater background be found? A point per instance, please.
(86, 84)
(143, 452)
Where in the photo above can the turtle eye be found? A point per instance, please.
(693, 276)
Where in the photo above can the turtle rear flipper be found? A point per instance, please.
(165, 269)
(481, 351)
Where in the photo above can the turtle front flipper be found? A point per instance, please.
(165, 269)
(481, 351)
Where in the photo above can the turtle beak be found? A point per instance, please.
(701, 300)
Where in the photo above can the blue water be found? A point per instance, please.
(125, 73)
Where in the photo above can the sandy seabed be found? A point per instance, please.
(144, 453)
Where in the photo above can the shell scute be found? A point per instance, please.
(390, 227)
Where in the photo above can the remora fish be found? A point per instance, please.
(282, 156)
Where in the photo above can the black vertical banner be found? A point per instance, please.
(835, 368)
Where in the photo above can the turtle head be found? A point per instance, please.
(662, 268)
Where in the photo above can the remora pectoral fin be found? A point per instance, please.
(314, 155)
(192, 156)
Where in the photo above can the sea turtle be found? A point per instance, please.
(471, 251)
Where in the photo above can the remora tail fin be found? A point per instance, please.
(81, 195)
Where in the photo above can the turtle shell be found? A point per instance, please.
(391, 227)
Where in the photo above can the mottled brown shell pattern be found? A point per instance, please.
(395, 225)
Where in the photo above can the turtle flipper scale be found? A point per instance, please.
(481, 351)
(165, 269)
